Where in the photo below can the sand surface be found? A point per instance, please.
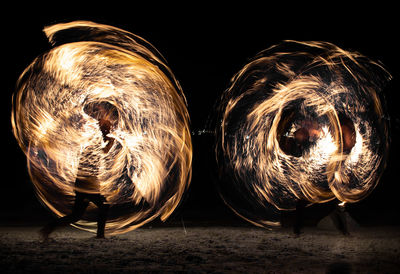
(201, 250)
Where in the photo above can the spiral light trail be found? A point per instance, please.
(301, 121)
(148, 167)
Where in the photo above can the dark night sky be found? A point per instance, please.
(204, 47)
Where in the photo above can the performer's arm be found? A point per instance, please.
(110, 142)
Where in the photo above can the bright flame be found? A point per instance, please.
(148, 167)
(301, 121)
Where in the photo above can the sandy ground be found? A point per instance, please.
(201, 250)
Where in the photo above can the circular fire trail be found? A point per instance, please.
(302, 121)
(147, 166)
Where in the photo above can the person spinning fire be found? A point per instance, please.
(87, 185)
(302, 138)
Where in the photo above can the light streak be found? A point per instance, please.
(148, 168)
(301, 121)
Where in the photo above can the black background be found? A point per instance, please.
(204, 45)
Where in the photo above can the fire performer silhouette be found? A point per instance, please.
(303, 137)
(87, 184)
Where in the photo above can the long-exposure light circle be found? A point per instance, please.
(148, 167)
(301, 121)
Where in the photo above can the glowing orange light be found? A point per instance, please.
(301, 121)
(145, 172)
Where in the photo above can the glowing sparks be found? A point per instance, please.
(301, 121)
(146, 170)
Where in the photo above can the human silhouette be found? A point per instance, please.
(87, 185)
(302, 138)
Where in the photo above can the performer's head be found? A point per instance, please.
(105, 113)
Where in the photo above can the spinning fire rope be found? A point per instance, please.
(301, 121)
(148, 167)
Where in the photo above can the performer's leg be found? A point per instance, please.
(103, 207)
(78, 210)
(298, 224)
(339, 219)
